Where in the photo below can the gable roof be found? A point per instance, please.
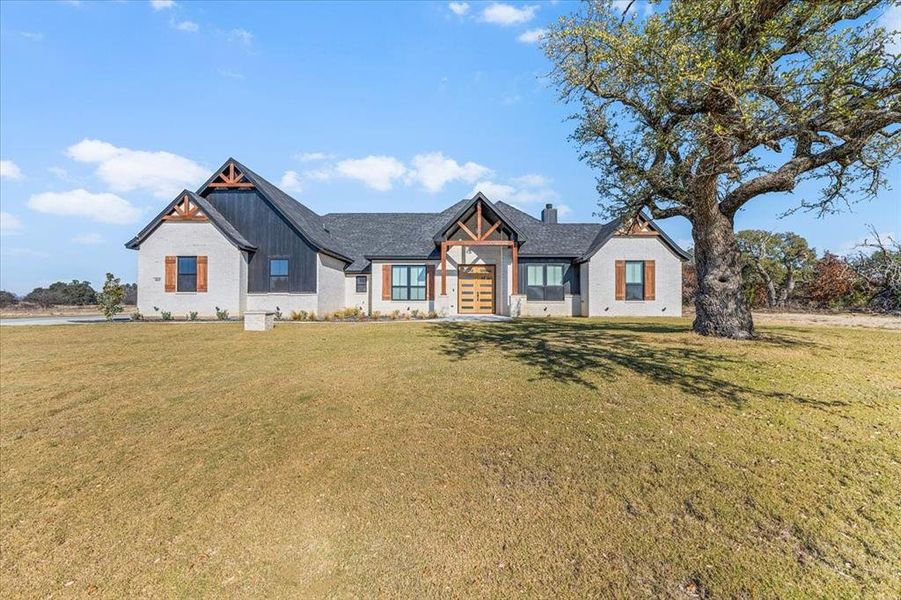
(307, 223)
(610, 229)
(214, 216)
(358, 238)
(463, 208)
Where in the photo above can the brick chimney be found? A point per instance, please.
(549, 214)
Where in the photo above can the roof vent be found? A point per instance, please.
(549, 214)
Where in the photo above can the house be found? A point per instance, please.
(242, 244)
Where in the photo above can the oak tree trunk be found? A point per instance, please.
(720, 306)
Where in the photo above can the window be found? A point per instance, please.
(634, 280)
(544, 282)
(361, 284)
(187, 274)
(278, 274)
(408, 282)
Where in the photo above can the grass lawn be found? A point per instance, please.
(567, 458)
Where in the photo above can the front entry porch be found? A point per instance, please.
(482, 285)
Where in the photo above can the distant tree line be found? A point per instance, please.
(74, 293)
(781, 270)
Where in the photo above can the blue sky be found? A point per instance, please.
(108, 109)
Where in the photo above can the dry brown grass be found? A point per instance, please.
(566, 458)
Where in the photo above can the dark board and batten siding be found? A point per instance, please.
(258, 222)
(571, 277)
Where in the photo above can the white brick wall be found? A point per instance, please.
(351, 298)
(600, 284)
(568, 307)
(227, 270)
(330, 283)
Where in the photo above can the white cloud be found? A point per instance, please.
(88, 239)
(162, 4)
(105, 208)
(377, 172)
(433, 170)
(499, 13)
(458, 8)
(161, 173)
(312, 156)
(318, 174)
(241, 36)
(10, 170)
(521, 192)
(34, 36)
(185, 25)
(891, 20)
(532, 36)
(290, 182)
(532, 180)
(10, 224)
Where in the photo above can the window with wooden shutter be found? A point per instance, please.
(386, 282)
(430, 281)
(620, 280)
(650, 277)
(201, 273)
(170, 273)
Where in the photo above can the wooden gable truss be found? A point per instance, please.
(230, 177)
(186, 210)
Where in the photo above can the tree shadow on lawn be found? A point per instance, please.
(579, 352)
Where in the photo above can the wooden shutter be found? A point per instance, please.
(171, 270)
(430, 281)
(386, 282)
(201, 274)
(620, 280)
(650, 282)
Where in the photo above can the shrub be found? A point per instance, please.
(221, 314)
(192, 316)
(433, 314)
(376, 315)
(300, 315)
(8, 299)
(110, 299)
(415, 314)
(347, 313)
(137, 316)
(166, 315)
(395, 315)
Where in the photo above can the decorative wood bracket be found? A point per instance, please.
(186, 210)
(231, 177)
(637, 226)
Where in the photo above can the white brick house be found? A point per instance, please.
(239, 243)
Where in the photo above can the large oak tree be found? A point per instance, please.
(706, 105)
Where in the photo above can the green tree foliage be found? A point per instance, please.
(706, 105)
(8, 299)
(777, 261)
(79, 293)
(110, 299)
(131, 294)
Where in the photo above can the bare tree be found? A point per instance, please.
(702, 107)
(878, 263)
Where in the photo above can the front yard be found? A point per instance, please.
(577, 457)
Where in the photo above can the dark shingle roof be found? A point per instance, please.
(307, 222)
(358, 237)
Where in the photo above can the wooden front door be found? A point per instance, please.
(475, 289)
